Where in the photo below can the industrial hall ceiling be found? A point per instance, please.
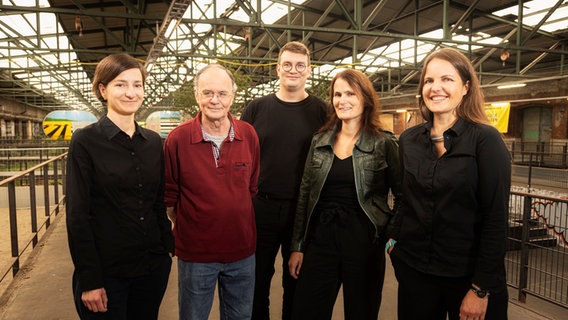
(49, 48)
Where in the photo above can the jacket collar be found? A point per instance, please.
(365, 143)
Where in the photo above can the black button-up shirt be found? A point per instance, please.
(116, 218)
(453, 221)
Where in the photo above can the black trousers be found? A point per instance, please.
(129, 298)
(274, 223)
(425, 296)
(342, 250)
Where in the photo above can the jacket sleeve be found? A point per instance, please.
(301, 217)
(394, 181)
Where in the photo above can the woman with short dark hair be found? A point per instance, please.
(119, 234)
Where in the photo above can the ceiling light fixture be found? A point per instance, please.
(512, 85)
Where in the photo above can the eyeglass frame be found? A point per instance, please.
(291, 66)
(221, 95)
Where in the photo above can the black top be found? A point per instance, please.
(453, 221)
(284, 130)
(339, 187)
(116, 219)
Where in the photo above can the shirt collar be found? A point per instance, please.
(110, 130)
(456, 130)
(232, 134)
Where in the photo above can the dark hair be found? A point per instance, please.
(218, 66)
(363, 87)
(295, 47)
(471, 107)
(110, 67)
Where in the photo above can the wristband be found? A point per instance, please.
(389, 244)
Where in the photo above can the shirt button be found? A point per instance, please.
(141, 218)
(137, 168)
(132, 153)
(140, 185)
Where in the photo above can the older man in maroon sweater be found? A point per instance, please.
(212, 168)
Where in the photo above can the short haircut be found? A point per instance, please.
(295, 47)
(110, 67)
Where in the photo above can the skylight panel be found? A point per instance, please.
(274, 12)
(240, 15)
(534, 11)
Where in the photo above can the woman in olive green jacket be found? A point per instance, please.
(342, 213)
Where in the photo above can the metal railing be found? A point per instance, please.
(537, 255)
(48, 178)
(533, 175)
(16, 160)
(539, 154)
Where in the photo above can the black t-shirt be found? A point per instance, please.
(285, 131)
(339, 187)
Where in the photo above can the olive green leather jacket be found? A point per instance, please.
(376, 168)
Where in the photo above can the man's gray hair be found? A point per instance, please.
(214, 65)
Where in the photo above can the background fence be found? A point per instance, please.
(537, 256)
(29, 202)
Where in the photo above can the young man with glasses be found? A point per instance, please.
(285, 122)
(212, 168)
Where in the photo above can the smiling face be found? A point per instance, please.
(346, 101)
(214, 94)
(293, 80)
(443, 88)
(125, 93)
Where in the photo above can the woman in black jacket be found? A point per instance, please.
(342, 210)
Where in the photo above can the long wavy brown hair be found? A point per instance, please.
(370, 119)
(471, 107)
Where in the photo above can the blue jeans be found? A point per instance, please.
(196, 286)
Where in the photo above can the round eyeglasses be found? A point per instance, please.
(287, 66)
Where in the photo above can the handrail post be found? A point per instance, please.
(13, 226)
(33, 207)
(56, 187)
(46, 194)
(529, 177)
(64, 175)
(524, 265)
(564, 151)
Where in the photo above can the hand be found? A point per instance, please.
(95, 300)
(295, 263)
(473, 307)
(171, 212)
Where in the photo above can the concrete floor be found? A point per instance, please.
(42, 289)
